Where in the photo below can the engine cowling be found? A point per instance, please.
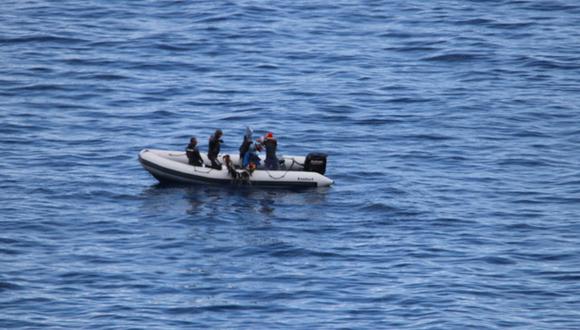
(315, 162)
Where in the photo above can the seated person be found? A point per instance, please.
(192, 152)
(251, 156)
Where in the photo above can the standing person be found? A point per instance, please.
(271, 145)
(192, 152)
(245, 146)
(215, 142)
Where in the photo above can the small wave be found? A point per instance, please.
(566, 277)
(474, 21)
(453, 58)
(548, 6)
(223, 91)
(109, 77)
(408, 100)
(103, 76)
(8, 240)
(495, 260)
(10, 252)
(7, 286)
(294, 252)
(431, 137)
(379, 207)
(552, 64)
(41, 88)
(41, 39)
(66, 106)
(304, 93)
(512, 26)
(267, 66)
(105, 43)
(211, 308)
(394, 88)
(113, 232)
(259, 8)
(40, 69)
(531, 134)
(411, 49)
(524, 227)
(162, 114)
(336, 118)
(216, 19)
(527, 162)
(8, 323)
(173, 48)
(378, 122)
(91, 62)
(18, 129)
(89, 277)
(398, 35)
(237, 118)
(557, 257)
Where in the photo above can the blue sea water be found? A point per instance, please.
(452, 129)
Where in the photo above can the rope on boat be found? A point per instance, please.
(283, 175)
(245, 179)
(195, 169)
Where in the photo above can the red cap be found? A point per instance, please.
(269, 135)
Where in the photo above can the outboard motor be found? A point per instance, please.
(315, 162)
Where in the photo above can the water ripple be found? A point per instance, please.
(451, 132)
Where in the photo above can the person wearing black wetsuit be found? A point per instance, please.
(215, 142)
(192, 152)
(271, 145)
(245, 146)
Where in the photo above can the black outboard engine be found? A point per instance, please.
(315, 162)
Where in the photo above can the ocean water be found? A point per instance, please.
(453, 133)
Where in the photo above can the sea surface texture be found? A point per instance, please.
(453, 135)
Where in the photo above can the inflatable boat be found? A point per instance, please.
(294, 171)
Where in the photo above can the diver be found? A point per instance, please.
(192, 152)
(215, 142)
(271, 145)
(246, 143)
(251, 158)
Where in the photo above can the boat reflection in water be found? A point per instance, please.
(224, 203)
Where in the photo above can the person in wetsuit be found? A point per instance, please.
(192, 152)
(251, 156)
(271, 145)
(215, 142)
(246, 143)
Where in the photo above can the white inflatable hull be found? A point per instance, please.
(172, 166)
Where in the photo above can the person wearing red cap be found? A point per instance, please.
(271, 145)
